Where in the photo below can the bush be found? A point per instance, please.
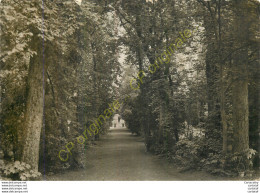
(189, 153)
(19, 171)
(240, 162)
(229, 165)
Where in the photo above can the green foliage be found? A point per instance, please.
(229, 165)
(130, 115)
(81, 68)
(83, 75)
(19, 171)
(189, 153)
(241, 161)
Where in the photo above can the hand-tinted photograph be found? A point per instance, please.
(129, 90)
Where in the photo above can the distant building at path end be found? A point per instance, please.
(117, 122)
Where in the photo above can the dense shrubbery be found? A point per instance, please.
(18, 171)
(80, 68)
(189, 153)
(199, 89)
(203, 86)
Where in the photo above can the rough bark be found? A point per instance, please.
(34, 113)
(240, 85)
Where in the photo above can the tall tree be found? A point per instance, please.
(240, 77)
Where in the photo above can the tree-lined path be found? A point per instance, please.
(122, 156)
(185, 73)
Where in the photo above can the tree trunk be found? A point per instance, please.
(240, 79)
(34, 113)
(160, 137)
(212, 75)
(240, 111)
(223, 115)
(222, 90)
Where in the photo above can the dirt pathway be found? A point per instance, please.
(122, 156)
